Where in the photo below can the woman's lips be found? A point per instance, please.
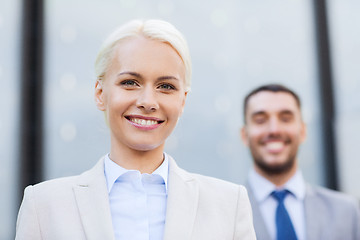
(145, 123)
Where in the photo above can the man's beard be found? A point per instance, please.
(273, 169)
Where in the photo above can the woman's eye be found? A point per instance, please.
(128, 83)
(167, 86)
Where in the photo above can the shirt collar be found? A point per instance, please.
(113, 171)
(262, 188)
(163, 170)
(296, 185)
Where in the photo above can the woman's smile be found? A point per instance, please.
(144, 123)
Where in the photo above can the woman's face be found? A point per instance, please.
(142, 93)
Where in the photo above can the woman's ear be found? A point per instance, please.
(99, 96)
(183, 103)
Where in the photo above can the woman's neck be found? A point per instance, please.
(143, 161)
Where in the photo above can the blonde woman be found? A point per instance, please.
(137, 191)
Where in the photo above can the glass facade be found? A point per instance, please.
(345, 37)
(9, 105)
(235, 46)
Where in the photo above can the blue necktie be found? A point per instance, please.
(284, 228)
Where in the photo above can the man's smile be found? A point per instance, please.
(275, 146)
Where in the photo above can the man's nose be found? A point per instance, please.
(274, 126)
(147, 100)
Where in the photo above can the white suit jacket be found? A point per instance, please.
(198, 207)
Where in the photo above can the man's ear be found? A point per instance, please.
(244, 136)
(99, 96)
(303, 132)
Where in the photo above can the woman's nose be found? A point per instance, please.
(147, 100)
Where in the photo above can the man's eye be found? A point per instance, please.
(287, 118)
(259, 120)
(167, 86)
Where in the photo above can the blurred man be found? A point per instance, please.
(284, 206)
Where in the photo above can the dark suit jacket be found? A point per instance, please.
(329, 215)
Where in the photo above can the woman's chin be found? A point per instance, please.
(145, 147)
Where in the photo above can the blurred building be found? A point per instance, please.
(235, 46)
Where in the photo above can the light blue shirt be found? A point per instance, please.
(294, 202)
(137, 201)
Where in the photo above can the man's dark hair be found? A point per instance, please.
(271, 88)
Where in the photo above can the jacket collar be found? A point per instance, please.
(93, 202)
(182, 203)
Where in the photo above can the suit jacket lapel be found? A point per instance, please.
(93, 202)
(315, 220)
(259, 224)
(182, 203)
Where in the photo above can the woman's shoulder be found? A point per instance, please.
(216, 183)
(53, 187)
(64, 184)
(213, 185)
(206, 182)
(56, 182)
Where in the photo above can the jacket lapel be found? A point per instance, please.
(314, 215)
(93, 202)
(259, 224)
(182, 203)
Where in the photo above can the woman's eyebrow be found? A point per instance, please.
(135, 74)
(168, 78)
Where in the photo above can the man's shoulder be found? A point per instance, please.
(334, 214)
(331, 197)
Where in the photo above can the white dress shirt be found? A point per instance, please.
(137, 201)
(294, 202)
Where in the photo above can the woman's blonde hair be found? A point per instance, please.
(153, 29)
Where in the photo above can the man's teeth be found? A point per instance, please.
(144, 122)
(274, 146)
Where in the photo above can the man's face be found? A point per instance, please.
(273, 131)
